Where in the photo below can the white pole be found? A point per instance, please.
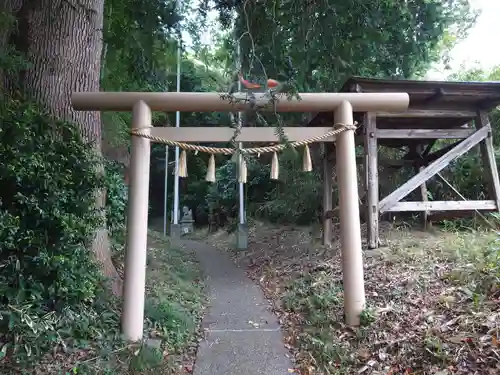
(177, 124)
(240, 124)
(350, 229)
(242, 191)
(137, 228)
(165, 198)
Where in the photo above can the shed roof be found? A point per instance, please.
(485, 95)
(433, 104)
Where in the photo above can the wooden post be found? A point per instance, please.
(488, 156)
(137, 228)
(350, 231)
(371, 183)
(423, 190)
(327, 194)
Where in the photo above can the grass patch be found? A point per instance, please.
(433, 302)
(86, 339)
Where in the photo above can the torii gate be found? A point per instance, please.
(141, 104)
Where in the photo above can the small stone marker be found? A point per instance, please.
(187, 221)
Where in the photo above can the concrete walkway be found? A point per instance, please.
(242, 336)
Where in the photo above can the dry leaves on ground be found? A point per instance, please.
(434, 301)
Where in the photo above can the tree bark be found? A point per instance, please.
(62, 40)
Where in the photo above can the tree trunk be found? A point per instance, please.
(63, 41)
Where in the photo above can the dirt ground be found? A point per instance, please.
(433, 300)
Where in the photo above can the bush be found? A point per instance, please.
(47, 220)
(296, 197)
(222, 197)
(116, 198)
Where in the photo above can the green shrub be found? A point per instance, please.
(296, 197)
(222, 197)
(48, 182)
(116, 199)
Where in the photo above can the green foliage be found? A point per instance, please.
(314, 296)
(222, 197)
(175, 306)
(116, 197)
(264, 197)
(47, 220)
(377, 38)
(301, 188)
(48, 186)
(138, 55)
(478, 254)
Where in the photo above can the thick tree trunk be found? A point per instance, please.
(63, 41)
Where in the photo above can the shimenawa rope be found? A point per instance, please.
(338, 128)
(182, 170)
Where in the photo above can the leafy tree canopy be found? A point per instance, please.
(327, 41)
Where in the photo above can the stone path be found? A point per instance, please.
(242, 336)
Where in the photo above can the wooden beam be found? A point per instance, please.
(424, 133)
(371, 176)
(423, 191)
(216, 102)
(489, 161)
(443, 206)
(438, 94)
(432, 169)
(224, 134)
(428, 113)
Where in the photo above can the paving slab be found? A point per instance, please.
(242, 335)
(247, 353)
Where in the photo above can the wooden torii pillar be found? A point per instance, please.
(341, 105)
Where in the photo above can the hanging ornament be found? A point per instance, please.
(211, 169)
(182, 171)
(274, 167)
(306, 161)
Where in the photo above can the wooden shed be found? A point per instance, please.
(438, 110)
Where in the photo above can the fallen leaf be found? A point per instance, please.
(364, 354)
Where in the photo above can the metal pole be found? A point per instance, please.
(137, 228)
(177, 124)
(165, 198)
(240, 124)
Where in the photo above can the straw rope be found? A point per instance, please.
(337, 129)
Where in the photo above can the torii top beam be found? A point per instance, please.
(212, 101)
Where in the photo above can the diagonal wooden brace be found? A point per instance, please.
(433, 168)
